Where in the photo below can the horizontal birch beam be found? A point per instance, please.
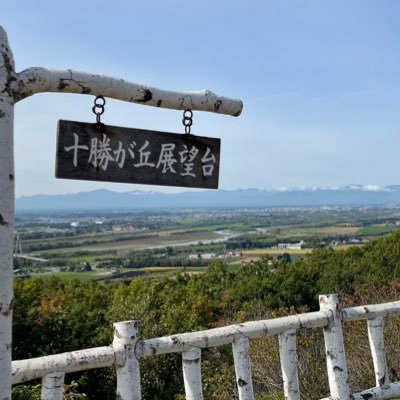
(371, 311)
(74, 361)
(41, 80)
(390, 392)
(226, 335)
(100, 357)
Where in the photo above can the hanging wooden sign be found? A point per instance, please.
(100, 152)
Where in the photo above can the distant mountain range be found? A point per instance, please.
(352, 195)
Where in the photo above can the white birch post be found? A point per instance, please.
(7, 76)
(15, 87)
(377, 344)
(53, 386)
(241, 357)
(334, 346)
(128, 370)
(191, 360)
(287, 351)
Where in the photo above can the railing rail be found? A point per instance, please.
(126, 351)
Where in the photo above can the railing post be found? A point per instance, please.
(128, 371)
(53, 386)
(334, 346)
(7, 77)
(377, 344)
(191, 360)
(287, 351)
(241, 357)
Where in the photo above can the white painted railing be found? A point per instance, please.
(126, 351)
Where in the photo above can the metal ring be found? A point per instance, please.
(187, 122)
(98, 112)
(188, 116)
(100, 98)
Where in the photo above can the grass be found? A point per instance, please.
(274, 252)
(315, 231)
(97, 274)
(81, 276)
(377, 230)
(90, 258)
(348, 246)
(162, 240)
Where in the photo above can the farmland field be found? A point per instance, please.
(260, 252)
(92, 246)
(156, 240)
(98, 274)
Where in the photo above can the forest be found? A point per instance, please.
(64, 315)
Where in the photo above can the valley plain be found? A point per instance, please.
(99, 245)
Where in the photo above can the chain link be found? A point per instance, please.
(98, 108)
(187, 120)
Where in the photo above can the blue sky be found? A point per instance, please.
(319, 80)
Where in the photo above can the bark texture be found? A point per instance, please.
(7, 78)
(38, 80)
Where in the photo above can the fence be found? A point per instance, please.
(126, 351)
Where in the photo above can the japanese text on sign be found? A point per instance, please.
(136, 156)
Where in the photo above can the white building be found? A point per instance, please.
(291, 246)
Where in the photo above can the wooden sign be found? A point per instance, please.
(116, 154)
